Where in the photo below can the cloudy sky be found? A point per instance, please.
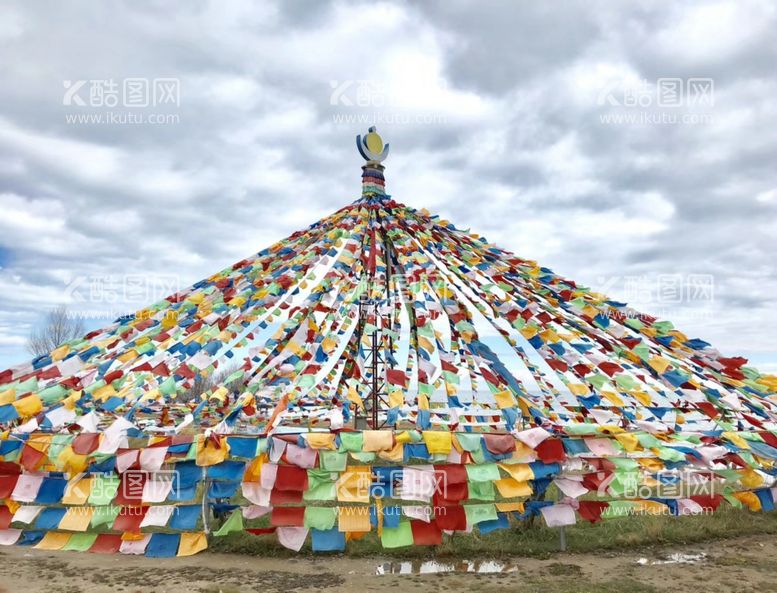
(629, 146)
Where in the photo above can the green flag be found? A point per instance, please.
(396, 537)
(234, 523)
(321, 518)
(80, 542)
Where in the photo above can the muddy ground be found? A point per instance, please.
(742, 565)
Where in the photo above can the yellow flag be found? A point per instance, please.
(78, 490)
(520, 472)
(191, 543)
(512, 488)
(438, 442)
(28, 406)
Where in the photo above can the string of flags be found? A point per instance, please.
(490, 378)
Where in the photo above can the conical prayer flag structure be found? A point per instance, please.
(388, 361)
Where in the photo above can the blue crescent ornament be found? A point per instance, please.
(371, 146)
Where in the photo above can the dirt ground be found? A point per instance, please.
(741, 565)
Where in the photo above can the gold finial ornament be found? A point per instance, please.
(371, 146)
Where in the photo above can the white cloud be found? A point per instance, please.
(714, 30)
(516, 151)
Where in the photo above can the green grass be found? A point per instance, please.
(632, 532)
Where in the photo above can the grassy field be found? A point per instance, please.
(538, 541)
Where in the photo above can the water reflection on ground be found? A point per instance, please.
(435, 566)
(495, 566)
(676, 559)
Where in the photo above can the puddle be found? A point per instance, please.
(435, 567)
(675, 559)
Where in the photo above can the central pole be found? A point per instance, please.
(373, 151)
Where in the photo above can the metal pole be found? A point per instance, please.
(205, 509)
(374, 395)
(562, 539)
(360, 416)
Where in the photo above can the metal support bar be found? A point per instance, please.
(374, 404)
(205, 509)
